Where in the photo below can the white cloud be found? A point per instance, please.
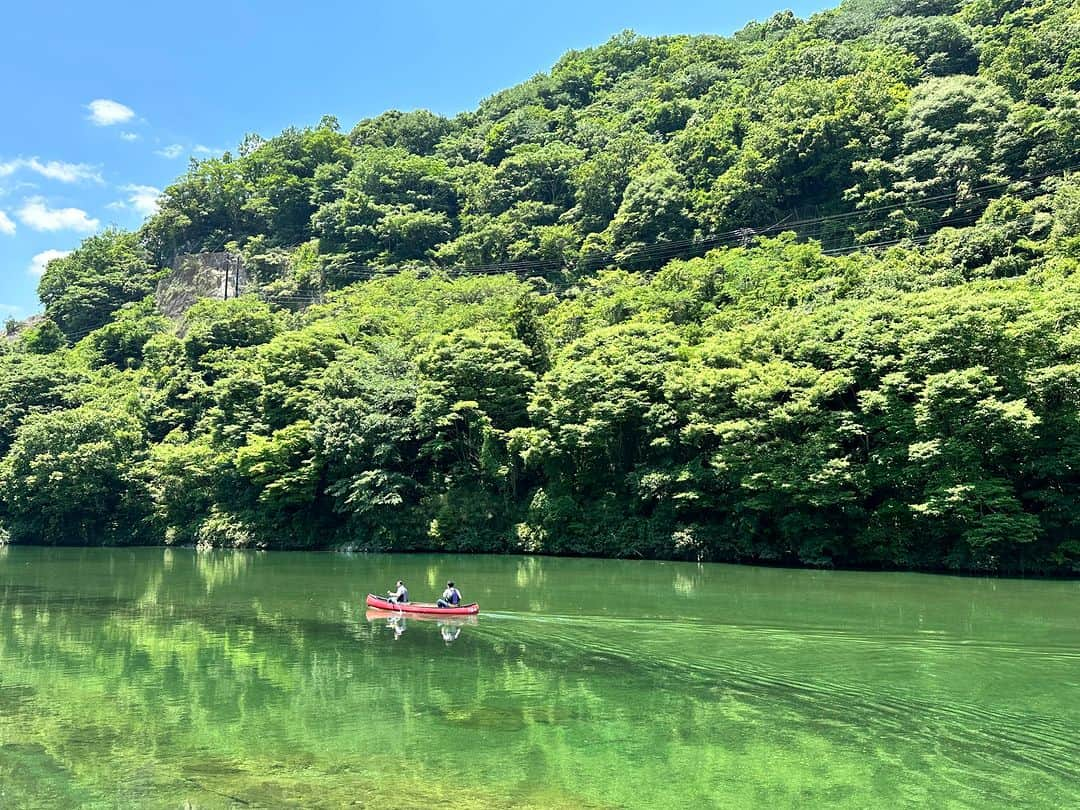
(53, 169)
(143, 199)
(200, 149)
(105, 112)
(10, 310)
(173, 150)
(37, 264)
(129, 136)
(7, 227)
(65, 172)
(37, 215)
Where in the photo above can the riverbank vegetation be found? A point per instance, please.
(808, 294)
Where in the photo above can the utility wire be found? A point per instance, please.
(660, 252)
(673, 248)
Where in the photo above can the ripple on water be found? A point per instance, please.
(979, 741)
(261, 682)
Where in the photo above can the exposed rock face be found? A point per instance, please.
(200, 275)
(12, 331)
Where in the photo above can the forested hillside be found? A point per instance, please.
(808, 294)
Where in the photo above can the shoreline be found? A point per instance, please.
(764, 564)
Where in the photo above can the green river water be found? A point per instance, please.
(169, 678)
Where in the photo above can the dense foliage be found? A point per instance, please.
(689, 356)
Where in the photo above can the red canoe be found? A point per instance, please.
(421, 607)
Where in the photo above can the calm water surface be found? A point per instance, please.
(170, 678)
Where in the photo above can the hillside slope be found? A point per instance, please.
(807, 294)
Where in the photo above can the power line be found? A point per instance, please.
(662, 252)
(673, 248)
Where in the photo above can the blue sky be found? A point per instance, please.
(105, 102)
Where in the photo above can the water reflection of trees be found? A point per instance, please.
(148, 679)
(221, 567)
(164, 682)
(157, 687)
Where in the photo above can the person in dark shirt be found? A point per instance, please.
(451, 597)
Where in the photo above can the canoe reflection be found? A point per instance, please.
(449, 626)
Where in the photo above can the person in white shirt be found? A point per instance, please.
(399, 596)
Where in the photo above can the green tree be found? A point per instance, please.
(946, 158)
(82, 290)
(69, 478)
